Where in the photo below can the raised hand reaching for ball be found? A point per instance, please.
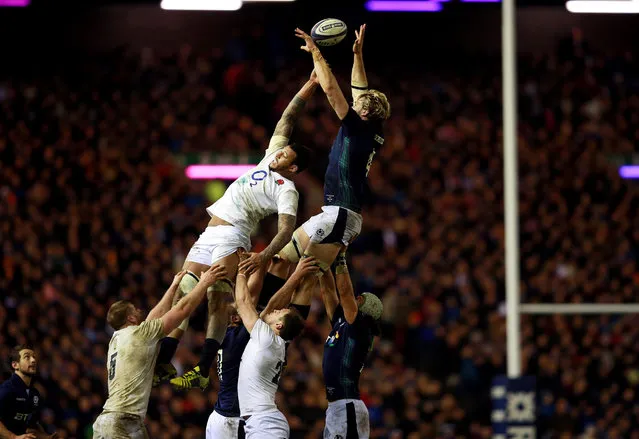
(310, 44)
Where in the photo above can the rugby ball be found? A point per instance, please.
(328, 32)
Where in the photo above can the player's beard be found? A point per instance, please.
(29, 373)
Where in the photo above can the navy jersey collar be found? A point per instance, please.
(17, 381)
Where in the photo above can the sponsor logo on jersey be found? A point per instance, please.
(279, 181)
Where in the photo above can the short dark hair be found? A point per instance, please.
(14, 355)
(293, 325)
(303, 156)
(118, 313)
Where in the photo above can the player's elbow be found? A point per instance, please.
(331, 88)
(244, 306)
(173, 318)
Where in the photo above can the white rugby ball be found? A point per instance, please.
(328, 32)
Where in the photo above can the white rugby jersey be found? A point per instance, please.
(130, 365)
(257, 194)
(260, 370)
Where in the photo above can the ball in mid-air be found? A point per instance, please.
(328, 32)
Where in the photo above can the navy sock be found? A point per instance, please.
(167, 350)
(209, 352)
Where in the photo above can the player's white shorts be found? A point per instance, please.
(271, 425)
(111, 425)
(347, 418)
(335, 225)
(217, 242)
(222, 427)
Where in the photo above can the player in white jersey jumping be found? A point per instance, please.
(132, 353)
(263, 359)
(266, 189)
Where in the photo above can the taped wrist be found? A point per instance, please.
(340, 263)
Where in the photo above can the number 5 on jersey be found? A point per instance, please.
(112, 366)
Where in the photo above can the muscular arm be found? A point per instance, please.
(285, 229)
(329, 84)
(282, 298)
(329, 293)
(188, 303)
(358, 74)
(287, 122)
(245, 306)
(346, 294)
(165, 303)
(256, 282)
(359, 82)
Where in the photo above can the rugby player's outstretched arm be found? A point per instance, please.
(282, 298)
(346, 293)
(329, 293)
(164, 305)
(244, 302)
(255, 261)
(284, 127)
(327, 80)
(359, 82)
(188, 303)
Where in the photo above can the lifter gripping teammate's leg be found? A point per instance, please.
(325, 254)
(164, 369)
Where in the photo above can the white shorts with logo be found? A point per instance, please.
(271, 425)
(216, 243)
(222, 427)
(335, 225)
(346, 419)
(112, 425)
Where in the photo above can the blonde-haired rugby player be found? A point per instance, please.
(345, 184)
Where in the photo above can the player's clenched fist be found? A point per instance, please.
(213, 274)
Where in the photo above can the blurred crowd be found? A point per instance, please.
(94, 207)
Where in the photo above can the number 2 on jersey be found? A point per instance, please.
(112, 366)
(278, 368)
(257, 176)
